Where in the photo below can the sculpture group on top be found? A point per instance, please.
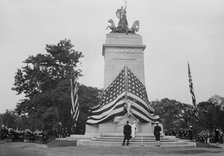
(123, 23)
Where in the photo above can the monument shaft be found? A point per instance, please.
(122, 50)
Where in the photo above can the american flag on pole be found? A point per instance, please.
(126, 88)
(74, 99)
(192, 91)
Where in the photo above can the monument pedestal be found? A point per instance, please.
(112, 128)
(116, 127)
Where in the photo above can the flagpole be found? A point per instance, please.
(192, 93)
(74, 95)
(71, 86)
(71, 74)
(126, 90)
(126, 82)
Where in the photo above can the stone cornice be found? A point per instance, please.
(126, 46)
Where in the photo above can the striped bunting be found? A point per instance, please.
(115, 97)
(74, 98)
(137, 91)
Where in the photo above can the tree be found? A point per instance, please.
(1, 115)
(10, 119)
(218, 101)
(211, 114)
(174, 114)
(88, 97)
(44, 80)
(44, 71)
(206, 115)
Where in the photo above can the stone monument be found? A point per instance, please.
(124, 96)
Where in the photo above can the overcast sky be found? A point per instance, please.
(174, 32)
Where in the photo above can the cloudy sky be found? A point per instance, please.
(174, 32)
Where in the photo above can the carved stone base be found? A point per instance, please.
(116, 127)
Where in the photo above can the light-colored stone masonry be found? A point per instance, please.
(123, 50)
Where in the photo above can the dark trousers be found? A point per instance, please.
(157, 136)
(126, 138)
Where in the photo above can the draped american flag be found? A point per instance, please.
(125, 88)
(192, 91)
(74, 99)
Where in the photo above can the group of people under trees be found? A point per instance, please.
(130, 130)
(205, 136)
(41, 136)
(186, 133)
(215, 136)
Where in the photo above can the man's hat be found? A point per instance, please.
(157, 122)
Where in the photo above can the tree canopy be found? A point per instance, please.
(43, 72)
(44, 80)
(174, 114)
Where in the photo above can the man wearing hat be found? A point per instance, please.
(157, 130)
(127, 133)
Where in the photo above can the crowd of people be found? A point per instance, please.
(181, 133)
(205, 136)
(41, 136)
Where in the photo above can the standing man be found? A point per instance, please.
(217, 136)
(127, 133)
(190, 133)
(157, 130)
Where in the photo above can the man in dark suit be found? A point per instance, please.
(190, 133)
(157, 130)
(217, 136)
(127, 133)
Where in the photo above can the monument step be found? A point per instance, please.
(121, 134)
(133, 139)
(138, 141)
(107, 140)
(139, 137)
(137, 144)
(143, 140)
